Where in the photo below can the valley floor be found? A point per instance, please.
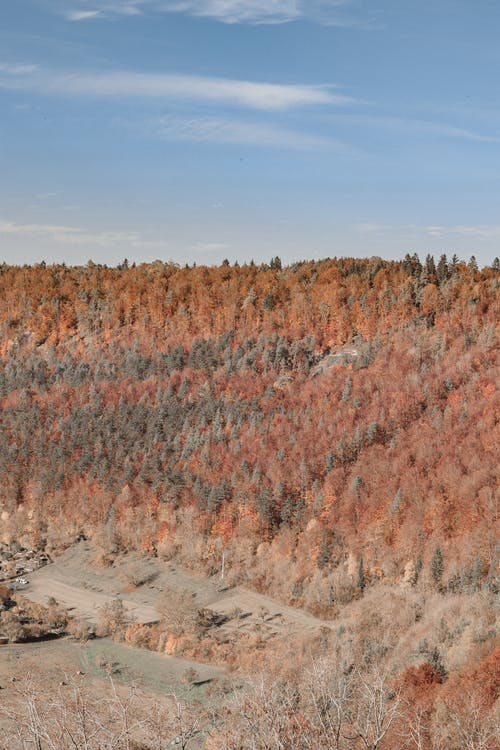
(76, 583)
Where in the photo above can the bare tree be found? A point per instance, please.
(326, 708)
(75, 717)
(176, 723)
(69, 718)
(466, 725)
(177, 610)
(414, 729)
(376, 708)
(265, 715)
(328, 693)
(112, 618)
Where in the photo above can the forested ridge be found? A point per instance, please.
(338, 407)
(328, 410)
(330, 427)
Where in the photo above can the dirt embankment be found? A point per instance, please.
(84, 588)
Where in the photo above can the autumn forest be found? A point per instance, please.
(329, 429)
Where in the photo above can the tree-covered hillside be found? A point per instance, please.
(333, 411)
(330, 428)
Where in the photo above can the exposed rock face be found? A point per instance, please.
(348, 355)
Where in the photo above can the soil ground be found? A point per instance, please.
(76, 582)
(83, 603)
(152, 672)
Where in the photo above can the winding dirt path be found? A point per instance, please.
(75, 581)
(82, 603)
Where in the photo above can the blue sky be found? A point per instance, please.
(195, 130)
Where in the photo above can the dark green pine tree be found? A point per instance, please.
(324, 552)
(361, 576)
(437, 566)
(442, 271)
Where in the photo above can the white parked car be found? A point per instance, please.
(21, 581)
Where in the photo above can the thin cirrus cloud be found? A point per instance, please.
(457, 231)
(258, 11)
(68, 235)
(237, 132)
(82, 15)
(242, 11)
(104, 9)
(9, 69)
(416, 127)
(255, 12)
(164, 86)
(481, 231)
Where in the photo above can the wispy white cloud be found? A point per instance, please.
(225, 11)
(103, 9)
(479, 231)
(69, 235)
(455, 232)
(17, 70)
(47, 195)
(236, 132)
(241, 11)
(82, 15)
(252, 94)
(369, 227)
(416, 127)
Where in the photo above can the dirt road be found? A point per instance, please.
(74, 580)
(82, 603)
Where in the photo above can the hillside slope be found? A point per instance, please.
(329, 430)
(322, 413)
